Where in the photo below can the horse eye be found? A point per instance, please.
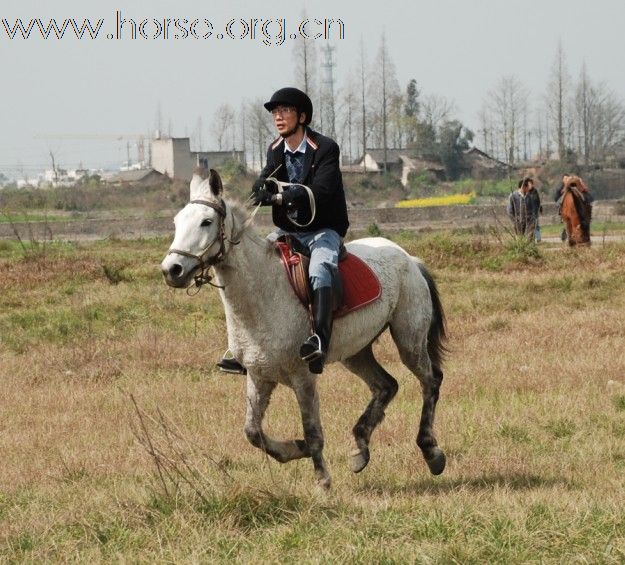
(206, 222)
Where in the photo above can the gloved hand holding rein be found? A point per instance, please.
(266, 193)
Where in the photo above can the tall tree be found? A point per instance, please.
(222, 125)
(348, 111)
(243, 131)
(363, 106)
(260, 129)
(557, 94)
(305, 60)
(412, 109)
(384, 87)
(455, 139)
(327, 110)
(507, 104)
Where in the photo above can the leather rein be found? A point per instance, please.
(203, 262)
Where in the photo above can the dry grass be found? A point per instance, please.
(532, 415)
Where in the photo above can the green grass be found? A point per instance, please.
(22, 217)
(530, 415)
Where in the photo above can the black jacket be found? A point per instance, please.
(322, 175)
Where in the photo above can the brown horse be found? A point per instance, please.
(576, 213)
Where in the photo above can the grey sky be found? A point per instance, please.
(455, 48)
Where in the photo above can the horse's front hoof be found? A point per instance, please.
(359, 460)
(324, 483)
(437, 460)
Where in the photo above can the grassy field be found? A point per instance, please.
(531, 415)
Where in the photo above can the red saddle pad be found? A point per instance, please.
(360, 285)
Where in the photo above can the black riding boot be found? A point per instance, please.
(315, 348)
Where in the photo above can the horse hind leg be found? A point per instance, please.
(422, 355)
(430, 376)
(258, 396)
(383, 388)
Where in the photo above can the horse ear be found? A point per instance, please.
(214, 180)
(199, 175)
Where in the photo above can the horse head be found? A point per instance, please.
(199, 240)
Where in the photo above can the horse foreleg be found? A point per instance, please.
(258, 396)
(383, 388)
(308, 400)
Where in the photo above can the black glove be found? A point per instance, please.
(290, 196)
(260, 193)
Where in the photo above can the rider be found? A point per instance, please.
(301, 156)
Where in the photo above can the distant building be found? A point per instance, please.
(480, 165)
(140, 177)
(393, 160)
(173, 157)
(397, 162)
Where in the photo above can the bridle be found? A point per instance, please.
(205, 263)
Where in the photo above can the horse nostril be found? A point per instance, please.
(175, 270)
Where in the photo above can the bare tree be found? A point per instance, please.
(397, 119)
(327, 110)
(607, 122)
(485, 129)
(384, 87)
(557, 94)
(508, 104)
(363, 100)
(348, 110)
(436, 110)
(243, 131)
(222, 125)
(305, 60)
(260, 129)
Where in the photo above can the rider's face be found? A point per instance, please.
(286, 119)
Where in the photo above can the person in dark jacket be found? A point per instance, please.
(311, 207)
(524, 207)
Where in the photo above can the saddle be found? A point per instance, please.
(359, 284)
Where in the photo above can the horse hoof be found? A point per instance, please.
(359, 460)
(436, 462)
(325, 483)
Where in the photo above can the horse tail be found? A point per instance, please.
(436, 333)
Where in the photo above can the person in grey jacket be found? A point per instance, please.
(524, 207)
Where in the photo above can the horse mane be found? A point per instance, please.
(242, 213)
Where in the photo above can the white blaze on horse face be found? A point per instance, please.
(194, 234)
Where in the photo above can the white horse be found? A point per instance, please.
(267, 323)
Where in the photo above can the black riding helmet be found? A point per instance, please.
(292, 97)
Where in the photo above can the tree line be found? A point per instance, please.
(578, 120)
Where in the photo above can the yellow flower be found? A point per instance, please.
(448, 200)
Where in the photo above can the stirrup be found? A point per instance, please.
(229, 364)
(309, 351)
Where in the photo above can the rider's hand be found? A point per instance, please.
(260, 193)
(290, 195)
